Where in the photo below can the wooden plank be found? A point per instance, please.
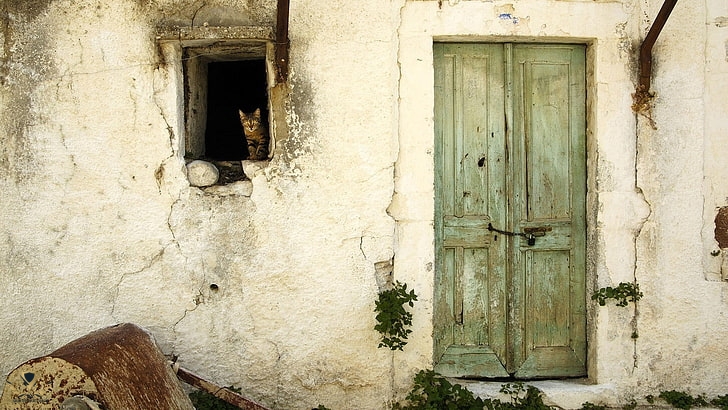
(470, 189)
(444, 318)
(547, 302)
(475, 296)
(549, 173)
(470, 361)
(443, 304)
(218, 391)
(551, 362)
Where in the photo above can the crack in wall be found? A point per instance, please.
(199, 298)
(105, 71)
(159, 173)
(169, 224)
(153, 260)
(198, 301)
(194, 15)
(156, 258)
(636, 233)
(638, 115)
(383, 270)
(649, 126)
(170, 129)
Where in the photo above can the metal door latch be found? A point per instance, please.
(529, 233)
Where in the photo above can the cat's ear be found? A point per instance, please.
(242, 114)
(257, 113)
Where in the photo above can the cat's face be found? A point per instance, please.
(250, 122)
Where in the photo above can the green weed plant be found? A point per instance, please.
(624, 293)
(393, 319)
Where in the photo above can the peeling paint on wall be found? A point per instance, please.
(624, 44)
(721, 227)
(24, 66)
(721, 236)
(508, 16)
(507, 12)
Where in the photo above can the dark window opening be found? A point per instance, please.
(233, 86)
(220, 78)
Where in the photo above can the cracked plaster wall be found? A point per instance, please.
(274, 292)
(681, 170)
(646, 217)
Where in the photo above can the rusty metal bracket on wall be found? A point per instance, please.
(649, 41)
(282, 41)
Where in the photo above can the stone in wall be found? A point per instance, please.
(202, 173)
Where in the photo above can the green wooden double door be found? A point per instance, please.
(510, 187)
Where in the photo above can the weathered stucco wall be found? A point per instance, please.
(683, 315)
(99, 224)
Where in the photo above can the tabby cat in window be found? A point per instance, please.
(256, 134)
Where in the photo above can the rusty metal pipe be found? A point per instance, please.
(649, 41)
(282, 41)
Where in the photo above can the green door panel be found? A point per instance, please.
(470, 305)
(510, 151)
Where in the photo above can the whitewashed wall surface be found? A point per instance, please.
(269, 284)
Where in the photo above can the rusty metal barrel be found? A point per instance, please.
(115, 368)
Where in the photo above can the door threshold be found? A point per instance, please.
(563, 393)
